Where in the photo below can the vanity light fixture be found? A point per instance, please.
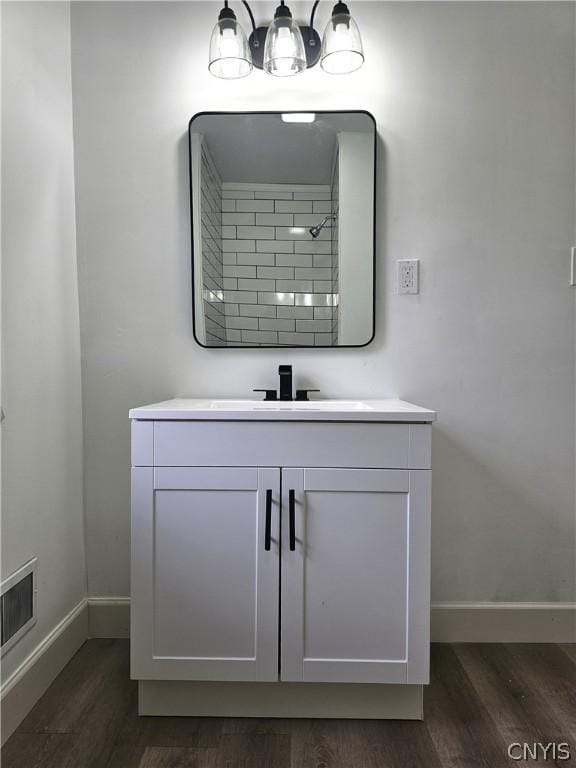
(284, 47)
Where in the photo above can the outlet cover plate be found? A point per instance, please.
(407, 275)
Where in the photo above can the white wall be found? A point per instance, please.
(475, 109)
(42, 433)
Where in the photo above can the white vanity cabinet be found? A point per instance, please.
(204, 588)
(354, 591)
(286, 546)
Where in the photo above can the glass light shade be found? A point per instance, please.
(284, 53)
(341, 46)
(230, 55)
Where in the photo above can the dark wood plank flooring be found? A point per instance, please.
(481, 698)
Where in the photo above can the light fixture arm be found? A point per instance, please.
(312, 14)
(245, 4)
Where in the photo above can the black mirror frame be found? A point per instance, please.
(278, 112)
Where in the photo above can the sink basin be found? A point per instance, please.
(208, 409)
(290, 405)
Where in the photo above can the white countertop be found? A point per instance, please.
(184, 409)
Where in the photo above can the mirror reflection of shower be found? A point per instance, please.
(282, 217)
(315, 231)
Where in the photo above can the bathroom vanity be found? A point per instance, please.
(281, 558)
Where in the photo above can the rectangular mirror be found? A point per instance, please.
(282, 209)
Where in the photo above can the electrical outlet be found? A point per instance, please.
(407, 275)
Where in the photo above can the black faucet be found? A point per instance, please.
(285, 372)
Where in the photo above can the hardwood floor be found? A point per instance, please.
(481, 698)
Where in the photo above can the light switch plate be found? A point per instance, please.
(407, 275)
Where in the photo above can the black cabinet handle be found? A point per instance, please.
(268, 522)
(292, 516)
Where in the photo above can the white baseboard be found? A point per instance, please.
(503, 623)
(450, 622)
(29, 681)
(109, 617)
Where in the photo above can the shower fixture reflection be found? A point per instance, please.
(315, 231)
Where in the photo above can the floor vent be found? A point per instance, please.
(18, 605)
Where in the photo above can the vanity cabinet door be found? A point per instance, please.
(355, 575)
(205, 573)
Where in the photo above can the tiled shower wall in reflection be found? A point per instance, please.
(212, 277)
(279, 283)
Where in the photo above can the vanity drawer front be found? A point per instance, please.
(291, 444)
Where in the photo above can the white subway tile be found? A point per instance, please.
(255, 206)
(233, 335)
(276, 219)
(278, 273)
(299, 286)
(257, 310)
(231, 309)
(314, 326)
(228, 232)
(313, 273)
(241, 297)
(309, 219)
(236, 271)
(314, 246)
(296, 339)
(256, 259)
(229, 258)
(322, 206)
(238, 218)
(278, 299)
(312, 196)
(238, 246)
(229, 283)
(315, 299)
(279, 246)
(296, 313)
(323, 259)
(276, 325)
(261, 195)
(243, 322)
(237, 194)
(300, 233)
(228, 206)
(323, 313)
(264, 233)
(260, 337)
(324, 340)
(291, 206)
(322, 286)
(294, 260)
(256, 285)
